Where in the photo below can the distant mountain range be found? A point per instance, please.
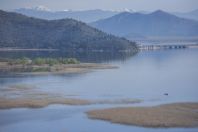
(88, 15)
(155, 24)
(19, 31)
(84, 16)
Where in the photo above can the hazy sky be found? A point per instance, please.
(147, 5)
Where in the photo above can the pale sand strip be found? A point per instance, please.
(43, 102)
(26, 96)
(39, 103)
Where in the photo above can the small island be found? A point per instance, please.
(31, 96)
(48, 65)
(161, 116)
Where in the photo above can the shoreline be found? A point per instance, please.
(173, 115)
(20, 49)
(20, 69)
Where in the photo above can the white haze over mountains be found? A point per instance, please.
(145, 5)
(39, 8)
(45, 8)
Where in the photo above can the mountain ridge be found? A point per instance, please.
(90, 15)
(158, 23)
(189, 15)
(20, 31)
(84, 16)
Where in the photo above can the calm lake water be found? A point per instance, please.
(146, 76)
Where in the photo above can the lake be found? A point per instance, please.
(145, 76)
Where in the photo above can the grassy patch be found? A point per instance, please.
(42, 61)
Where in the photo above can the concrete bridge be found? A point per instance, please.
(158, 47)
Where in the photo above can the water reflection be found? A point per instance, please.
(147, 76)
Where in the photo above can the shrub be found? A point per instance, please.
(72, 61)
(51, 61)
(23, 61)
(69, 61)
(39, 61)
